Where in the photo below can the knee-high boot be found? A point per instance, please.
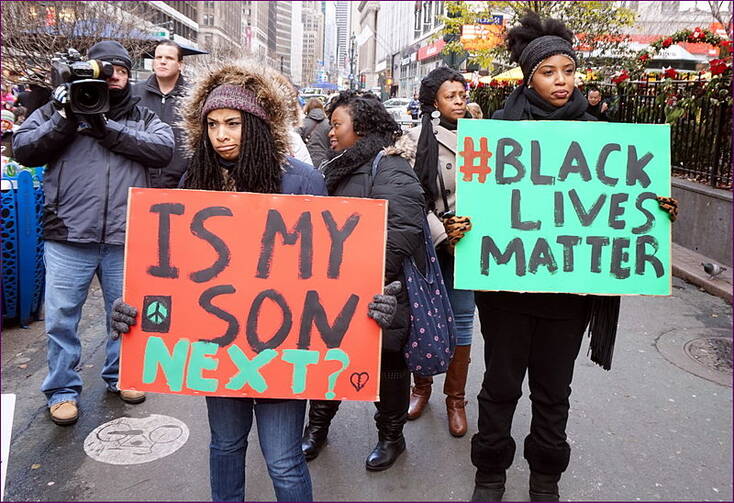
(320, 414)
(419, 396)
(391, 416)
(455, 389)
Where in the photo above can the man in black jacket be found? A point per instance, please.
(162, 93)
(86, 181)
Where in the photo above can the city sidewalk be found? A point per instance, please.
(657, 427)
(688, 264)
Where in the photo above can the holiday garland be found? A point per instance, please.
(674, 98)
(718, 67)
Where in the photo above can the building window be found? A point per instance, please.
(417, 24)
(437, 13)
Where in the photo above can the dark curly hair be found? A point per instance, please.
(531, 27)
(368, 115)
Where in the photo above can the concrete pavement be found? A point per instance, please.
(657, 427)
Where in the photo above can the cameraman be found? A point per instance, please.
(88, 173)
(162, 93)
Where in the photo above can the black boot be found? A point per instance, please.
(392, 413)
(544, 487)
(489, 486)
(320, 414)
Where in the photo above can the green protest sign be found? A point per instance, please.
(562, 206)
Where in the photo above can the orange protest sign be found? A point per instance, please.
(253, 295)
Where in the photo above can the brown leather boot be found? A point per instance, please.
(454, 388)
(419, 396)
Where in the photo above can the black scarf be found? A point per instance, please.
(526, 104)
(344, 162)
(121, 102)
(447, 124)
(224, 163)
(523, 104)
(426, 156)
(426, 159)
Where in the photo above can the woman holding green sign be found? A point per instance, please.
(537, 333)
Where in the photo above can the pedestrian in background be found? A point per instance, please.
(238, 119)
(315, 131)
(7, 126)
(475, 110)
(414, 107)
(597, 106)
(88, 173)
(443, 103)
(297, 147)
(162, 93)
(361, 129)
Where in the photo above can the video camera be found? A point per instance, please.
(88, 94)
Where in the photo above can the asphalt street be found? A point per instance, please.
(657, 427)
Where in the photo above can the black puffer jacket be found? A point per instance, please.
(395, 181)
(166, 107)
(315, 133)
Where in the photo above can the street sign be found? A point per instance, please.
(495, 19)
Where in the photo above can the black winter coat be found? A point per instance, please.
(86, 180)
(166, 107)
(315, 133)
(395, 181)
(543, 305)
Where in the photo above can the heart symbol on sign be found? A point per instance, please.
(359, 379)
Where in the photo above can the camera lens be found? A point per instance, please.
(89, 97)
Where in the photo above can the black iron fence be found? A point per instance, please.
(701, 121)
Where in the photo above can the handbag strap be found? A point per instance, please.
(443, 191)
(375, 167)
(307, 139)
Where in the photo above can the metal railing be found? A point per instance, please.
(701, 137)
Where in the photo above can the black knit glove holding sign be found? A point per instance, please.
(123, 317)
(383, 306)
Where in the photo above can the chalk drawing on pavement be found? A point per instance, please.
(131, 440)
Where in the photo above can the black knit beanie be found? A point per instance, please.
(431, 83)
(112, 52)
(540, 49)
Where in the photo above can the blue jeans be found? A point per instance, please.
(70, 268)
(462, 301)
(279, 428)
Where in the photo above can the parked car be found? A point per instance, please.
(398, 108)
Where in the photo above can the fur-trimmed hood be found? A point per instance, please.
(404, 147)
(272, 90)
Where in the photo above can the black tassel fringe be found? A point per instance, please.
(603, 329)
